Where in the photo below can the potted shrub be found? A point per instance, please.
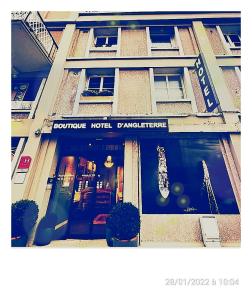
(123, 225)
(24, 214)
(45, 230)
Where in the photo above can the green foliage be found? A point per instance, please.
(124, 221)
(24, 214)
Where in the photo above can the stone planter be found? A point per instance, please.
(44, 236)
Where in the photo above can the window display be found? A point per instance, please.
(185, 176)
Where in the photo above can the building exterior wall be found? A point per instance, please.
(186, 229)
(134, 42)
(95, 109)
(215, 40)
(67, 92)
(134, 92)
(79, 43)
(57, 35)
(173, 108)
(187, 38)
(233, 84)
(197, 91)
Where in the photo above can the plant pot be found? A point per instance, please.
(113, 242)
(44, 236)
(19, 241)
(130, 243)
(109, 237)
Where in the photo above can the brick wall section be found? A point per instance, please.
(134, 92)
(233, 84)
(197, 91)
(56, 36)
(188, 42)
(215, 41)
(133, 42)
(67, 92)
(95, 109)
(174, 108)
(79, 43)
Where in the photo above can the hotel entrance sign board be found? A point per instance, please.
(205, 84)
(110, 125)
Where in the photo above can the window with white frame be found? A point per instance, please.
(99, 85)
(234, 40)
(232, 35)
(162, 37)
(105, 37)
(169, 87)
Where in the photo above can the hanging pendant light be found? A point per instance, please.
(108, 162)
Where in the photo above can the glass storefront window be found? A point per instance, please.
(185, 176)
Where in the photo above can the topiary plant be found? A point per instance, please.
(124, 221)
(45, 230)
(49, 220)
(24, 214)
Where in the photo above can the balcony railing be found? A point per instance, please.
(35, 24)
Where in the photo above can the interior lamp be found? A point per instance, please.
(108, 162)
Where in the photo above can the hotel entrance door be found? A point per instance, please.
(92, 178)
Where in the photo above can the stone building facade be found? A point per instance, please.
(135, 67)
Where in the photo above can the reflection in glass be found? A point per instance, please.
(195, 178)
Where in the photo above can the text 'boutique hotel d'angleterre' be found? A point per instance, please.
(125, 129)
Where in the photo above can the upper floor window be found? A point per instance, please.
(24, 89)
(233, 40)
(232, 35)
(105, 37)
(169, 87)
(162, 37)
(99, 84)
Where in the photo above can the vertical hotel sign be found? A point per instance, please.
(205, 84)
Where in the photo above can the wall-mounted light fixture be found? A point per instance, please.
(37, 132)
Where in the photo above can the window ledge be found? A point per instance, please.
(235, 48)
(103, 49)
(207, 114)
(173, 101)
(165, 48)
(16, 110)
(95, 101)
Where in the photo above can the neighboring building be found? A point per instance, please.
(117, 113)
